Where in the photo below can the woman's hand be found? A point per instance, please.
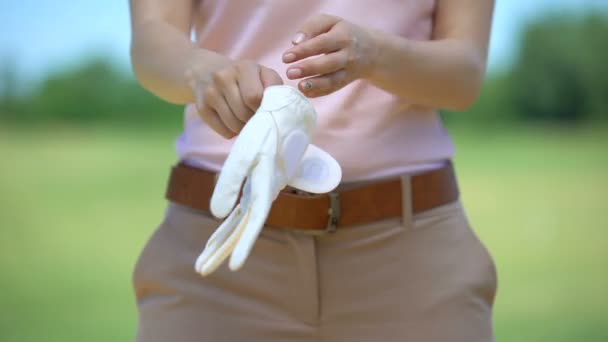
(445, 71)
(227, 98)
(346, 52)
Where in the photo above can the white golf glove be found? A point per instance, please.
(272, 151)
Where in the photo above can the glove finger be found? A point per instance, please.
(220, 254)
(239, 162)
(220, 236)
(262, 196)
(238, 210)
(222, 232)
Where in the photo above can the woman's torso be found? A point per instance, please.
(372, 133)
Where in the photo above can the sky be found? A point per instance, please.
(40, 35)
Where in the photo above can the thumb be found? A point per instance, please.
(269, 77)
(315, 26)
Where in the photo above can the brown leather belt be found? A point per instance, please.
(367, 203)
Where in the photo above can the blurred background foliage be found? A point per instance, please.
(559, 76)
(96, 90)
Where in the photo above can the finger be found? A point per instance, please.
(318, 66)
(270, 77)
(251, 86)
(210, 117)
(227, 116)
(239, 162)
(216, 100)
(324, 84)
(315, 26)
(222, 253)
(262, 196)
(236, 103)
(325, 43)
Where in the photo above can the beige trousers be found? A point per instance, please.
(422, 278)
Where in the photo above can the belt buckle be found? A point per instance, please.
(332, 221)
(333, 212)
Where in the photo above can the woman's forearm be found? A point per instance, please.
(165, 61)
(444, 74)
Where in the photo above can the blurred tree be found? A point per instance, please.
(93, 91)
(9, 83)
(560, 73)
(97, 91)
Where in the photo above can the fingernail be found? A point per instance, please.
(298, 38)
(307, 85)
(289, 57)
(294, 73)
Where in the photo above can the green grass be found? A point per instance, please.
(76, 206)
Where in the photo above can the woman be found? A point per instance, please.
(396, 259)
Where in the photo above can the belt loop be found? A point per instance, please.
(406, 202)
(333, 212)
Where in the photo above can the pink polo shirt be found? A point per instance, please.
(371, 133)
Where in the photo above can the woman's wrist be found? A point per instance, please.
(370, 63)
(381, 52)
(201, 65)
(440, 74)
(391, 56)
